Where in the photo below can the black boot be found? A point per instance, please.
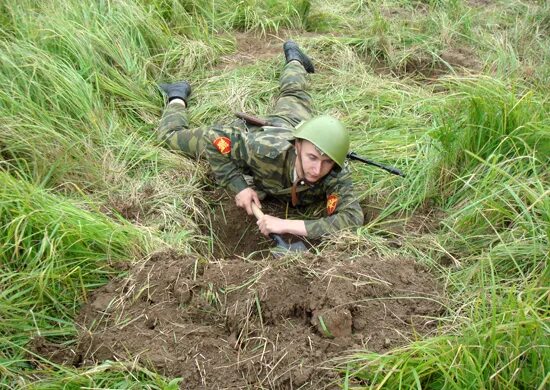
(293, 52)
(180, 90)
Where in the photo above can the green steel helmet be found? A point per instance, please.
(328, 134)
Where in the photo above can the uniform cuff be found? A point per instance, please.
(314, 229)
(237, 184)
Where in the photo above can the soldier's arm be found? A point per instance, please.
(270, 224)
(225, 169)
(347, 213)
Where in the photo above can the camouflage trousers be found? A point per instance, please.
(292, 106)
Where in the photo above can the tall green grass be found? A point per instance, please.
(80, 103)
(83, 79)
(52, 252)
(504, 350)
(484, 163)
(77, 112)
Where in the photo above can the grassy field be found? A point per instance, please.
(453, 92)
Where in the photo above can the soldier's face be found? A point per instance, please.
(314, 165)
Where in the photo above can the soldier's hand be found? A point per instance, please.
(270, 224)
(245, 198)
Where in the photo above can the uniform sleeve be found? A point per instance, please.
(347, 214)
(225, 168)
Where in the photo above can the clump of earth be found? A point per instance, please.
(266, 324)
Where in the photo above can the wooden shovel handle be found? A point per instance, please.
(275, 237)
(281, 243)
(257, 212)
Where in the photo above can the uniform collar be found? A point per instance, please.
(290, 167)
(298, 184)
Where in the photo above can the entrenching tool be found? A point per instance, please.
(282, 246)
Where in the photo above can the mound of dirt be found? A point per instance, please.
(266, 324)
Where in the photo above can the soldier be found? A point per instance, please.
(294, 157)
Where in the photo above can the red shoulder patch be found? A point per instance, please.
(332, 203)
(223, 144)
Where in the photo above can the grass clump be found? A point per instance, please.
(497, 341)
(484, 164)
(108, 375)
(53, 252)
(491, 124)
(214, 17)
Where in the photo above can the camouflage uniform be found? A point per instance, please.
(267, 154)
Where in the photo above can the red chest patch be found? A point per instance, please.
(332, 202)
(223, 144)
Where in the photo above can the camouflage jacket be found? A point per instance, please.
(269, 157)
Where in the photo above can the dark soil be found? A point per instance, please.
(267, 324)
(251, 48)
(452, 60)
(462, 59)
(236, 234)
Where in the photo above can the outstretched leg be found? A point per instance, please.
(174, 131)
(174, 126)
(294, 103)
